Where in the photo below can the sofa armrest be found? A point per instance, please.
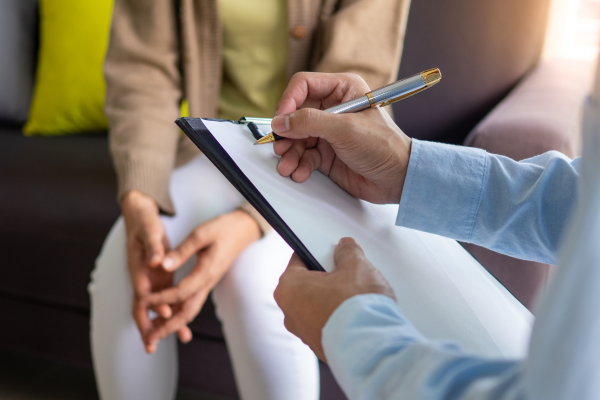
(542, 113)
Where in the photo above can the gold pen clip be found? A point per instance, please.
(430, 78)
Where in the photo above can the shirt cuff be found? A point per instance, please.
(443, 188)
(358, 334)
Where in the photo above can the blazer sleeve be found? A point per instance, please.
(143, 96)
(364, 37)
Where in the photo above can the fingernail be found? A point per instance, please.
(347, 240)
(168, 263)
(281, 123)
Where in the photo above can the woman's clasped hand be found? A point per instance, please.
(215, 244)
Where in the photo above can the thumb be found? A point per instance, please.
(296, 264)
(295, 269)
(310, 122)
(289, 279)
(348, 253)
(196, 240)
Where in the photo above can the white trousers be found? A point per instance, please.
(268, 361)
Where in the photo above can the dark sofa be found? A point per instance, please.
(57, 195)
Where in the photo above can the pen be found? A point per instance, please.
(380, 97)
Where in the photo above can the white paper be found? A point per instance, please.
(440, 287)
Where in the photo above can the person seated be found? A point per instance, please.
(350, 317)
(228, 59)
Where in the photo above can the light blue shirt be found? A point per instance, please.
(517, 208)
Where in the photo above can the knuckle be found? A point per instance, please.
(197, 236)
(179, 296)
(300, 75)
(302, 118)
(289, 325)
(182, 320)
(162, 333)
(153, 239)
(351, 76)
(132, 244)
(355, 83)
(277, 296)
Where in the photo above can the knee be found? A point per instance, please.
(111, 263)
(254, 275)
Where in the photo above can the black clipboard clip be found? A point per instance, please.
(251, 122)
(253, 125)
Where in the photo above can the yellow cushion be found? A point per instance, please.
(69, 88)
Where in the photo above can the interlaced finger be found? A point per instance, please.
(184, 315)
(196, 241)
(193, 283)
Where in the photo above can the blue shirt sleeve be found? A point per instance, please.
(515, 208)
(375, 353)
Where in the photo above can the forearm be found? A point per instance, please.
(515, 208)
(143, 95)
(374, 352)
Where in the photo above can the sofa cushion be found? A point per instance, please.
(58, 202)
(73, 41)
(18, 38)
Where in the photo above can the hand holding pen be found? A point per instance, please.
(365, 153)
(381, 97)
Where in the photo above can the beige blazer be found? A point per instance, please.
(161, 51)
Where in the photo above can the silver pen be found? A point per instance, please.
(381, 97)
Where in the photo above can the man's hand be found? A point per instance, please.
(308, 298)
(365, 153)
(216, 244)
(146, 247)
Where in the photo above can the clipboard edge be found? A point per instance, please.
(212, 149)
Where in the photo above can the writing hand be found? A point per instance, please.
(365, 153)
(308, 298)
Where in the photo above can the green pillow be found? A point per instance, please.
(69, 89)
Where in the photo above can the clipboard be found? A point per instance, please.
(195, 129)
(439, 286)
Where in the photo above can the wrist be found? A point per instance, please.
(247, 224)
(135, 200)
(138, 208)
(403, 152)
